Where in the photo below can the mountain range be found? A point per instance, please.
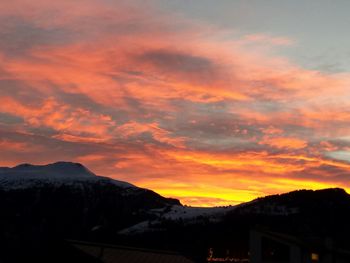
(43, 205)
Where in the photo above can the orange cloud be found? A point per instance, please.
(14, 146)
(284, 142)
(165, 103)
(131, 129)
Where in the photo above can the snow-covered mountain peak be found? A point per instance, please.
(58, 169)
(59, 173)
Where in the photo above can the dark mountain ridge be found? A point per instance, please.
(69, 201)
(46, 203)
(299, 201)
(54, 169)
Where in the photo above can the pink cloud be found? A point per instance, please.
(149, 98)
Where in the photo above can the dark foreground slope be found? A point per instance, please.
(41, 205)
(305, 212)
(318, 215)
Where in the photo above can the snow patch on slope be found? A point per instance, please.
(186, 214)
(60, 173)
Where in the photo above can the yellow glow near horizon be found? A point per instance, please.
(189, 109)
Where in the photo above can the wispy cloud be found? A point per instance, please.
(165, 103)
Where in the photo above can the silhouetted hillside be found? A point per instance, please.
(42, 205)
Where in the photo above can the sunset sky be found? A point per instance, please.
(211, 102)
